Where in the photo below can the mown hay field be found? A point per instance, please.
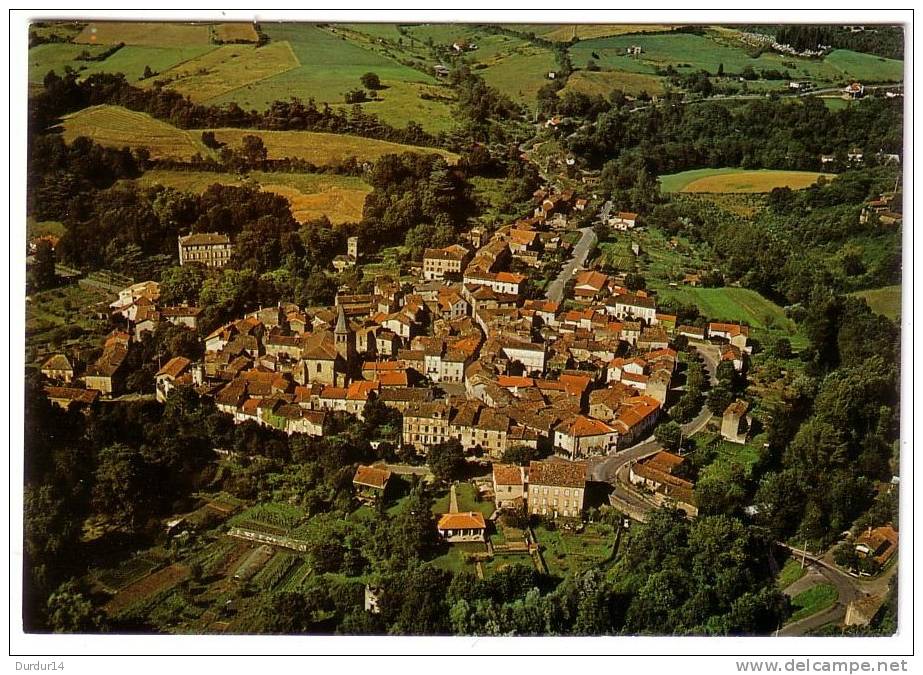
(567, 32)
(604, 82)
(738, 181)
(233, 32)
(322, 149)
(311, 196)
(885, 301)
(117, 127)
(147, 33)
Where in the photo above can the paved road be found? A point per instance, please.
(555, 291)
(848, 588)
(605, 469)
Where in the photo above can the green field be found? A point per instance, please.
(566, 32)
(147, 33)
(569, 552)
(226, 70)
(521, 74)
(687, 52)
(885, 301)
(865, 67)
(732, 304)
(465, 494)
(791, 572)
(129, 60)
(728, 454)
(329, 65)
(118, 127)
(731, 179)
(815, 599)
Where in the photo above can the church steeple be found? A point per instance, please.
(343, 336)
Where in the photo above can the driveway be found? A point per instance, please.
(555, 291)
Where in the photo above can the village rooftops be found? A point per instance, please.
(72, 394)
(174, 367)
(633, 300)
(665, 461)
(508, 474)
(581, 426)
(732, 329)
(559, 473)
(204, 239)
(453, 252)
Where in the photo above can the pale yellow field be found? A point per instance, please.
(230, 32)
(322, 149)
(755, 181)
(311, 196)
(227, 68)
(340, 205)
(590, 31)
(599, 82)
(147, 34)
(117, 127)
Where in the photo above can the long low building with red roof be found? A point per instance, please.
(462, 527)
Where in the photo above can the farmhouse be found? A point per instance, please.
(734, 422)
(879, 543)
(63, 397)
(590, 286)
(854, 90)
(736, 334)
(582, 436)
(58, 368)
(175, 371)
(107, 373)
(371, 483)
(509, 485)
(556, 488)
(462, 527)
(632, 306)
(208, 248)
(437, 262)
(661, 474)
(624, 220)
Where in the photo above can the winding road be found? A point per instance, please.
(606, 469)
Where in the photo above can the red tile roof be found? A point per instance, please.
(372, 476)
(469, 520)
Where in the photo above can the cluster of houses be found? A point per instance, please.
(886, 209)
(553, 488)
(462, 354)
(762, 40)
(664, 476)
